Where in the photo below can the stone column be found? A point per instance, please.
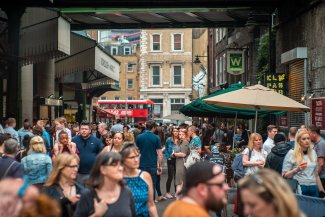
(46, 82)
(27, 92)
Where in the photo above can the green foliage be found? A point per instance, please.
(263, 56)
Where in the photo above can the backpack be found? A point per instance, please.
(238, 167)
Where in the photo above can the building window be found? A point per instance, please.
(127, 51)
(130, 98)
(155, 70)
(177, 42)
(103, 97)
(176, 104)
(130, 67)
(117, 98)
(156, 42)
(130, 83)
(177, 75)
(103, 36)
(158, 107)
(113, 50)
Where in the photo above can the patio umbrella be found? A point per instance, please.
(257, 97)
(177, 117)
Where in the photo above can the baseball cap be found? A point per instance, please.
(200, 172)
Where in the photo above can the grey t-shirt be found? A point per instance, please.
(306, 176)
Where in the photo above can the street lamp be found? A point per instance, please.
(197, 59)
(126, 88)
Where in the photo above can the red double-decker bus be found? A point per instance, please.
(136, 111)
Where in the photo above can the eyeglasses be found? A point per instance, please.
(257, 179)
(72, 166)
(134, 157)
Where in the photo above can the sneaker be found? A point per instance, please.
(161, 198)
(169, 196)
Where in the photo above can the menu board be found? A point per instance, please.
(318, 112)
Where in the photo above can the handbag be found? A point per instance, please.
(293, 184)
(192, 158)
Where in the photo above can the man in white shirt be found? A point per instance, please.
(269, 143)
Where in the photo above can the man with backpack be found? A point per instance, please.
(9, 166)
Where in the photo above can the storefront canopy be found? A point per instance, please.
(86, 55)
(199, 108)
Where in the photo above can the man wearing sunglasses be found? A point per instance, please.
(204, 190)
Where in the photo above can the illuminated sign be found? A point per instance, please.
(277, 82)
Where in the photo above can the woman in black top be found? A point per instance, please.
(61, 184)
(106, 195)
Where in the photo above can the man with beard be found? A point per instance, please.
(205, 189)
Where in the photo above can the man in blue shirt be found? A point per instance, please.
(88, 146)
(150, 149)
(23, 132)
(9, 166)
(11, 129)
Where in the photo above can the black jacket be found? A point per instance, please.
(275, 159)
(54, 192)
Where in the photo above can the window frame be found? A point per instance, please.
(173, 75)
(116, 48)
(130, 79)
(151, 75)
(173, 42)
(130, 50)
(152, 43)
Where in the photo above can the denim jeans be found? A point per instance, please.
(153, 173)
(310, 190)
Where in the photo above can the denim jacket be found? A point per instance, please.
(169, 147)
(37, 167)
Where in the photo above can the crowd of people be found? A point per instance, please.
(114, 169)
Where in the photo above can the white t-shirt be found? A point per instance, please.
(268, 145)
(306, 176)
(255, 156)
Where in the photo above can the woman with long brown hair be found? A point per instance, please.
(181, 152)
(62, 184)
(170, 146)
(107, 196)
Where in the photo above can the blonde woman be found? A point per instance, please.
(266, 194)
(301, 164)
(254, 156)
(62, 185)
(37, 165)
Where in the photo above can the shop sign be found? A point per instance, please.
(318, 112)
(51, 102)
(277, 82)
(284, 121)
(235, 62)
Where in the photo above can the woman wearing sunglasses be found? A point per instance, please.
(62, 184)
(107, 196)
(138, 181)
(301, 164)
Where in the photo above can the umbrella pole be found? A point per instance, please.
(256, 116)
(235, 128)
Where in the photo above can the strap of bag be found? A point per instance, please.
(249, 153)
(8, 169)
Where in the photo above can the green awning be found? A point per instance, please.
(199, 108)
